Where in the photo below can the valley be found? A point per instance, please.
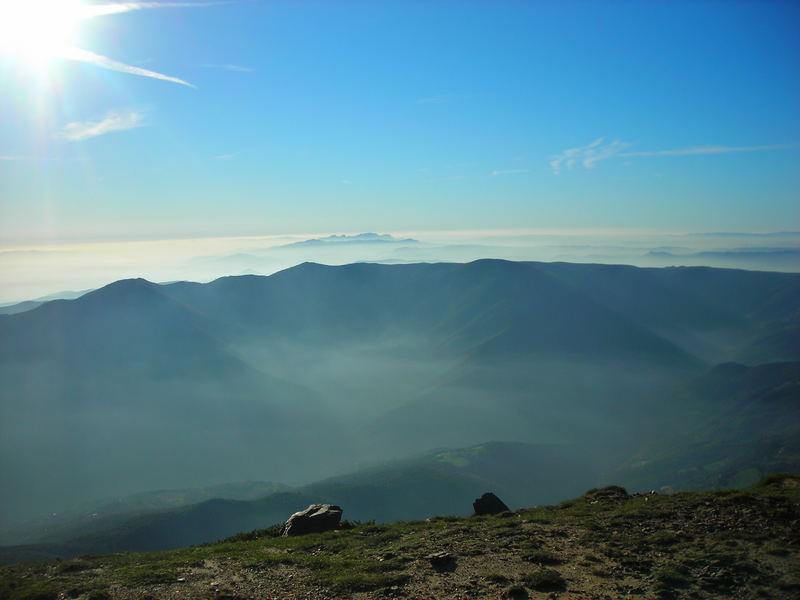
(394, 389)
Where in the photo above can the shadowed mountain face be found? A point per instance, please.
(124, 387)
(737, 423)
(106, 514)
(303, 374)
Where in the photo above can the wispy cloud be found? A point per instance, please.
(114, 121)
(509, 172)
(235, 68)
(587, 156)
(113, 8)
(710, 150)
(109, 63)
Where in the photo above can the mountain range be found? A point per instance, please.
(321, 371)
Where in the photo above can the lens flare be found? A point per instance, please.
(36, 31)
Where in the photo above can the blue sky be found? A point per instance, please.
(390, 116)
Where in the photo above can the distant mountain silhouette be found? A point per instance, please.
(772, 259)
(12, 309)
(18, 307)
(102, 515)
(357, 299)
(746, 234)
(360, 238)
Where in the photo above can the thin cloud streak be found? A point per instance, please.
(710, 150)
(83, 130)
(108, 63)
(591, 154)
(100, 10)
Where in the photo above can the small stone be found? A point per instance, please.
(442, 561)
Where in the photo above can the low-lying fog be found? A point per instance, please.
(32, 272)
(181, 387)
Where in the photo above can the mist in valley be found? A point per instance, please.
(391, 256)
(320, 371)
(64, 268)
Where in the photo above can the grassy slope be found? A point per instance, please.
(436, 482)
(727, 544)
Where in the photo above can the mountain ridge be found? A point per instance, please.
(335, 363)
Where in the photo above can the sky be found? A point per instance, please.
(176, 120)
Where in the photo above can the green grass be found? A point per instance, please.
(335, 559)
(671, 576)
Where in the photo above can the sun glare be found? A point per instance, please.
(38, 30)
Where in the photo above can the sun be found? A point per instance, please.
(36, 31)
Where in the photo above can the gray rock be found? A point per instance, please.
(315, 519)
(442, 561)
(489, 504)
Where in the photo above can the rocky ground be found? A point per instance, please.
(605, 545)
